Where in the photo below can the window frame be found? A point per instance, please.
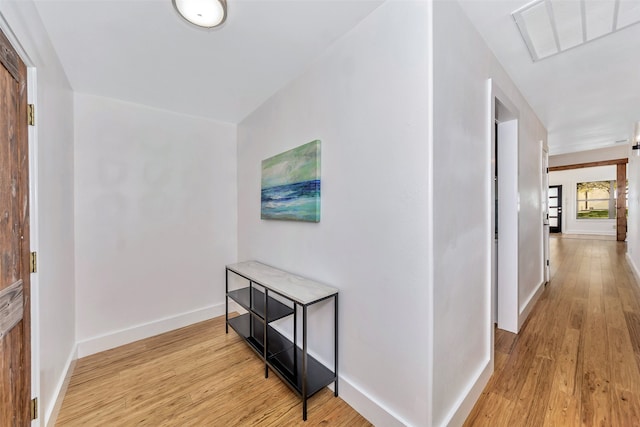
(611, 201)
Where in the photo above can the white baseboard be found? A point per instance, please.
(528, 306)
(463, 407)
(634, 267)
(51, 413)
(368, 407)
(590, 232)
(145, 330)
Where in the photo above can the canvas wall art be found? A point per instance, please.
(291, 184)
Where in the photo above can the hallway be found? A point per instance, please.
(576, 360)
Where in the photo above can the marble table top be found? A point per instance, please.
(299, 289)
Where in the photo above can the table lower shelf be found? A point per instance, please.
(245, 297)
(282, 356)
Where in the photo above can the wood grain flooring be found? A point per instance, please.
(194, 376)
(576, 361)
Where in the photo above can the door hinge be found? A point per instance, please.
(547, 170)
(33, 262)
(34, 408)
(31, 114)
(547, 262)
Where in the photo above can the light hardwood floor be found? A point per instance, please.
(576, 360)
(194, 376)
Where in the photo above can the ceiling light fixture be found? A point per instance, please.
(203, 13)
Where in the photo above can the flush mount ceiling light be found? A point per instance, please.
(203, 13)
(549, 27)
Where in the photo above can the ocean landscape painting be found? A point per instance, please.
(291, 184)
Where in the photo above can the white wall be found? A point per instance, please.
(52, 234)
(569, 179)
(633, 220)
(155, 220)
(366, 99)
(462, 235)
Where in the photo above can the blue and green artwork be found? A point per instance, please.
(291, 184)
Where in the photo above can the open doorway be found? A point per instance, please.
(555, 208)
(544, 189)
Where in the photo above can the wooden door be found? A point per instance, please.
(555, 208)
(15, 336)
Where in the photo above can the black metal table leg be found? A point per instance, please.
(304, 363)
(266, 339)
(335, 337)
(295, 337)
(226, 301)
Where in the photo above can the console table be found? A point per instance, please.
(304, 374)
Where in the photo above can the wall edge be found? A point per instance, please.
(51, 413)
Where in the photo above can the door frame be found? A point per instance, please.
(544, 188)
(508, 228)
(32, 138)
(34, 242)
(504, 300)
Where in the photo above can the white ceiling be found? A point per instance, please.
(587, 97)
(141, 51)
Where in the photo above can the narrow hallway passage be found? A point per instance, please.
(577, 359)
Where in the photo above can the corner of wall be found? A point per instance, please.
(51, 413)
(374, 411)
(463, 407)
(526, 308)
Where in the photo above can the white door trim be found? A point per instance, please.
(32, 137)
(34, 242)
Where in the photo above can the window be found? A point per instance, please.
(596, 200)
